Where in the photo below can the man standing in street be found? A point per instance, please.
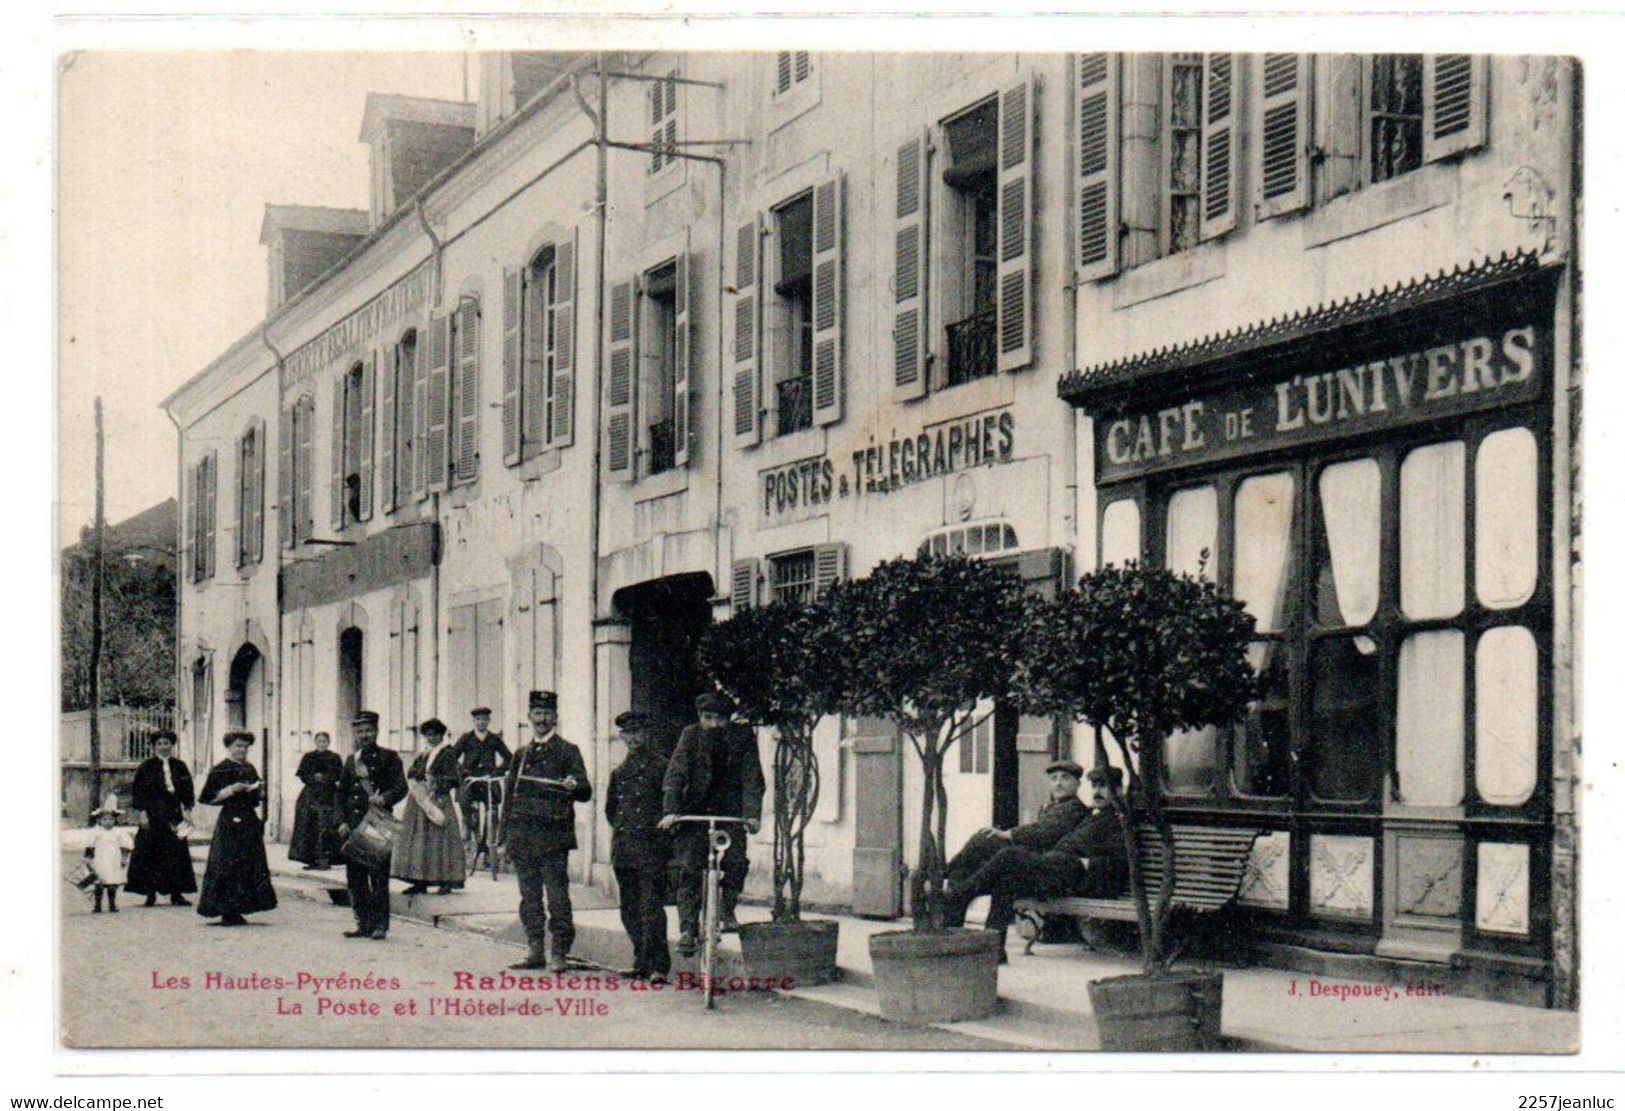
(1059, 816)
(715, 770)
(640, 848)
(372, 778)
(545, 780)
(480, 755)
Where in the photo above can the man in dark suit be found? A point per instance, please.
(372, 778)
(480, 754)
(1091, 860)
(715, 770)
(1060, 816)
(545, 780)
(640, 848)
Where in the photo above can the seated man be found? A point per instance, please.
(1059, 816)
(1091, 860)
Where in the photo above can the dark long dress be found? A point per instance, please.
(315, 815)
(428, 853)
(161, 863)
(237, 879)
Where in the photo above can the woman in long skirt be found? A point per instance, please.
(431, 844)
(162, 791)
(315, 815)
(237, 880)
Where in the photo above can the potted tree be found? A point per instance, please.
(1142, 652)
(780, 665)
(925, 640)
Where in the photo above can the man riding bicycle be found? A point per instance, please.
(481, 756)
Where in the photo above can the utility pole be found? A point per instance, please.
(97, 540)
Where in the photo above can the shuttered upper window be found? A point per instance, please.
(791, 70)
(202, 486)
(251, 495)
(464, 393)
(538, 356)
(663, 123)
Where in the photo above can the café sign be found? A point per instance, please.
(1420, 385)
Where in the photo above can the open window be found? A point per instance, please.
(969, 235)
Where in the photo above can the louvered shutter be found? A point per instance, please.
(245, 506)
(1455, 104)
(1015, 214)
(1338, 122)
(420, 409)
(210, 497)
(909, 334)
(561, 432)
(304, 468)
(534, 307)
(388, 496)
(828, 299)
(747, 328)
(466, 430)
(783, 85)
(336, 479)
(682, 428)
(1095, 177)
(369, 384)
(829, 564)
(742, 584)
(436, 403)
(1283, 134)
(619, 393)
(256, 519)
(513, 289)
(189, 529)
(1218, 188)
(284, 477)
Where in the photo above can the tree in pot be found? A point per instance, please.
(1141, 652)
(780, 663)
(925, 640)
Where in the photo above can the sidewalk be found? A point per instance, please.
(1044, 999)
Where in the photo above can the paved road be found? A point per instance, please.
(164, 977)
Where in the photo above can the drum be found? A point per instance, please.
(373, 839)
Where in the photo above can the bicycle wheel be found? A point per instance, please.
(471, 836)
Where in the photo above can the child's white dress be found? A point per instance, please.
(107, 854)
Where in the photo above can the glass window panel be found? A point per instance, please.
(1263, 739)
(1193, 529)
(1345, 719)
(1432, 530)
(973, 537)
(1120, 532)
(1351, 511)
(1504, 545)
(1506, 695)
(1429, 727)
(1190, 757)
(1264, 547)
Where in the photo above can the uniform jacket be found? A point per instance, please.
(382, 767)
(482, 757)
(1099, 841)
(442, 776)
(1054, 821)
(634, 806)
(542, 816)
(715, 771)
(148, 792)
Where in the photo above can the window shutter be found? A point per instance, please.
(245, 507)
(210, 497)
(189, 529)
(618, 390)
(256, 489)
(369, 384)
(304, 467)
(682, 428)
(284, 477)
(742, 584)
(1095, 177)
(562, 430)
(388, 495)
(747, 328)
(1017, 106)
(420, 408)
(828, 299)
(1218, 178)
(1283, 134)
(436, 403)
(829, 564)
(336, 479)
(534, 309)
(513, 288)
(1339, 119)
(783, 82)
(466, 430)
(1455, 104)
(909, 327)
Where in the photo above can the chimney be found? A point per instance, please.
(304, 243)
(412, 140)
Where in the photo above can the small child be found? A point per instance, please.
(108, 851)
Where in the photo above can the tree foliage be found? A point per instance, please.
(138, 629)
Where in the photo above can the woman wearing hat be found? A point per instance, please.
(162, 792)
(237, 880)
(431, 845)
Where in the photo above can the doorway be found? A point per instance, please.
(668, 616)
(244, 693)
(350, 677)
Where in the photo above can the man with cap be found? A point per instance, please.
(545, 780)
(372, 777)
(716, 769)
(1091, 860)
(1059, 816)
(640, 848)
(480, 754)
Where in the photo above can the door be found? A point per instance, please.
(877, 853)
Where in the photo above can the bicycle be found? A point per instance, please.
(717, 841)
(484, 821)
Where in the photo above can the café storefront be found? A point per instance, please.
(1374, 480)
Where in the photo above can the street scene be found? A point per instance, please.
(806, 549)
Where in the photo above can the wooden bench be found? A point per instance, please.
(1209, 865)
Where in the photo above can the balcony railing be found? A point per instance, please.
(795, 404)
(662, 446)
(972, 349)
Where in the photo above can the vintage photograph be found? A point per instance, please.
(819, 549)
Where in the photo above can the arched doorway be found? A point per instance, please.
(667, 616)
(245, 691)
(352, 643)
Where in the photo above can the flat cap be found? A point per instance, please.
(1070, 767)
(1106, 773)
(479, 710)
(631, 719)
(713, 703)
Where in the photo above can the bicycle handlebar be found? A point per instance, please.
(707, 818)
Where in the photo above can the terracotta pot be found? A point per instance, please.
(1174, 1011)
(940, 977)
(800, 951)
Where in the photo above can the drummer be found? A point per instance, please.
(372, 780)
